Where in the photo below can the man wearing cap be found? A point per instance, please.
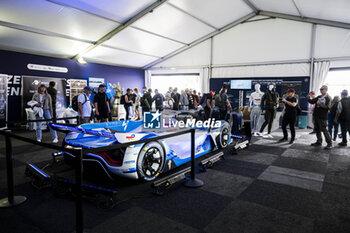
(84, 105)
(101, 104)
(343, 116)
(322, 105)
(289, 116)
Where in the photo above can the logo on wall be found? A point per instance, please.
(152, 120)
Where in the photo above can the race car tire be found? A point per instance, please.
(223, 138)
(151, 160)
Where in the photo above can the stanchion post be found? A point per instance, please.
(78, 120)
(193, 182)
(79, 190)
(11, 200)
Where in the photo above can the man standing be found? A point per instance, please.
(101, 104)
(184, 100)
(343, 115)
(158, 99)
(84, 105)
(53, 92)
(176, 97)
(146, 100)
(208, 104)
(322, 105)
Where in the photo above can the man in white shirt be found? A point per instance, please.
(84, 105)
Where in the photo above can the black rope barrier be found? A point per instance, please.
(52, 119)
(12, 200)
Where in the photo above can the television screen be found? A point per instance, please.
(241, 84)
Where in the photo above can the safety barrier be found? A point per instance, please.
(78, 152)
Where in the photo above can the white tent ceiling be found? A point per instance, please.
(150, 33)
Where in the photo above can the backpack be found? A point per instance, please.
(75, 102)
(122, 99)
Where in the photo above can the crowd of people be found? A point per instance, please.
(326, 111)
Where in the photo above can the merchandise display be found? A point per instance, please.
(76, 87)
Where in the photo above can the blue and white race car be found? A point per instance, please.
(145, 160)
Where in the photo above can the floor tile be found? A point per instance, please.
(241, 216)
(292, 177)
(301, 164)
(283, 197)
(223, 183)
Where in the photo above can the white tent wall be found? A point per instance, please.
(332, 42)
(198, 55)
(262, 41)
(280, 70)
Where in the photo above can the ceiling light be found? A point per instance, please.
(81, 61)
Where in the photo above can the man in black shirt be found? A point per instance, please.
(128, 101)
(323, 103)
(176, 97)
(209, 104)
(158, 99)
(343, 115)
(146, 100)
(53, 93)
(101, 104)
(290, 116)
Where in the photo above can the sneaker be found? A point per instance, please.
(291, 141)
(260, 134)
(328, 147)
(255, 134)
(268, 136)
(316, 144)
(55, 140)
(282, 140)
(342, 144)
(38, 140)
(334, 139)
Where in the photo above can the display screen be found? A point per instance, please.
(241, 84)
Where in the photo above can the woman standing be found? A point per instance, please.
(290, 116)
(44, 105)
(137, 103)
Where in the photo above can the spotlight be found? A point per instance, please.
(81, 60)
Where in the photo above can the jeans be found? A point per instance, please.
(254, 117)
(345, 128)
(332, 125)
(47, 115)
(127, 112)
(289, 120)
(321, 126)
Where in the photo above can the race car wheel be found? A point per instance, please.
(150, 161)
(224, 137)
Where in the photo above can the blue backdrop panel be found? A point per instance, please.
(15, 65)
(301, 84)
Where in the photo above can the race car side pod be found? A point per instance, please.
(11, 200)
(193, 182)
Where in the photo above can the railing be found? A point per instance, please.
(13, 200)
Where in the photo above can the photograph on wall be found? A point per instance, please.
(3, 100)
(30, 86)
(95, 82)
(76, 87)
